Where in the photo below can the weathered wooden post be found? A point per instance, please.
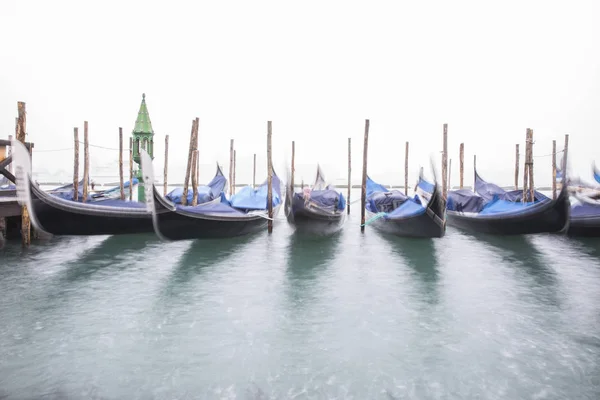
(461, 162)
(554, 169)
(121, 185)
(21, 133)
(194, 181)
(254, 173)
(449, 175)
(166, 165)
(363, 198)
(406, 170)
(231, 167)
(234, 166)
(130, 169)
(531, 183)
(9, 153)
(517, 167)
(564, 166)
(349, 173)
(525, 166)
(445, 162)
(76, 164)
(269, 178)
(189, 164)
(291, 188)
(198, 168)
(86, 162)
(474, 171)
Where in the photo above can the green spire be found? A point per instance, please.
(143, 138)
(142, 123)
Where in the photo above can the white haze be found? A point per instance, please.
(317, 70)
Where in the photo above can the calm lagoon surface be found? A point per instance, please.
(362, 316)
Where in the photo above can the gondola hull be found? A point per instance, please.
(177, 224)
(63, 217)
(430, 224)
(584, 227)
(311, 219)
(550, 217)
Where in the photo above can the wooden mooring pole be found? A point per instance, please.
(291, 188)
(449, 175)
(76, 164)
(406, 170)
(9, 153)
(474, 170)
(130, 169)
(461, 162)
(564, 166)
(234, 168)
(517, 167)
(166, 169)
(194, 181)
(86, 161)
(554, 169)
(363, 196)
(254, 173)
(121, 185)
(231, 167)
(445, 162)
(188, 169)
(525, 169)
(21, 133)
(349, 174)
(269, 178)
(531, 183)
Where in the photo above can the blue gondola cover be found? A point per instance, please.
(256, 199)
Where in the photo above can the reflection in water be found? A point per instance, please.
(122, 250)
(520, 252)
(308, 257)
(420, 256)
(308, 253)
(205, 253)
(589, 246)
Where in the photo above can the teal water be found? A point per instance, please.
(361, 316)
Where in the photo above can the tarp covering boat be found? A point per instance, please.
(391, 211)
(394, 203)
(496, 211)
(327, 199)
(211, 209)
(489, 191)
(464, 200)
(498, 206)
(256, 199)
(318, 209)
(66, 192)
(206, 193)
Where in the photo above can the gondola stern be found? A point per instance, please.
(24, 184)
(151, 194)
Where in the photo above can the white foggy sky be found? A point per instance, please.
(317, 70)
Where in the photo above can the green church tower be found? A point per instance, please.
(143, 138)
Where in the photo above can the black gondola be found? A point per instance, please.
(58, 216)
(393, 212)
(245, 213)
(319, 209)
(585, 206)
(496, 211)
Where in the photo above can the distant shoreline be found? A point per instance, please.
(112, 184)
